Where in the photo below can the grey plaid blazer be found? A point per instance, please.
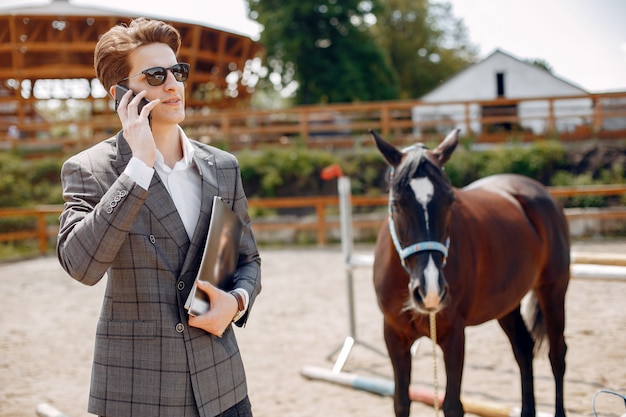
(147, 360)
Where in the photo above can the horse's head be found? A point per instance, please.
(420, 199)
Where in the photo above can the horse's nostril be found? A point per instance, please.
(444, 293)
(417, 294)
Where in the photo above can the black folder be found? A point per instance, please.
(220, 256)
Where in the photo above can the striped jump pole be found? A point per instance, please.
(385, 388)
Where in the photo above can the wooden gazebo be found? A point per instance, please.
(47, 51)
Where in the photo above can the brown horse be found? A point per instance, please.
(506, 237)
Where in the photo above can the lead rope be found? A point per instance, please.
(433, 337)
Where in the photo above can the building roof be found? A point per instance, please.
(522, 80)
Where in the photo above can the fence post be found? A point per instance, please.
(42, 234)
(551, 118)
(468, 121)
(304, 125)
(384, 120)
(320, 209)
(597, 115)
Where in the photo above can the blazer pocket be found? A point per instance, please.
(126, 329)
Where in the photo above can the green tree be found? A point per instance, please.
(425, 43)
(323, 50)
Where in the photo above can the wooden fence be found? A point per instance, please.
(334, 126)
(44, 230)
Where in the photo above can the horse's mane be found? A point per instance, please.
(416, 162)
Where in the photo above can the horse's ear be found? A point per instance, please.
(445, 148)
(392, 155)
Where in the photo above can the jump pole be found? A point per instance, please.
(385, 388)
(598, 258)
(602, 272)
(46, 410)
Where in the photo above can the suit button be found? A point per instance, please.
(180, 327)
(152, 239)
(181, 285)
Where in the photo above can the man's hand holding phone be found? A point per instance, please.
(134, 112)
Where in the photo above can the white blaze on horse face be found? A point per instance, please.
(431, 276)
(423, 190)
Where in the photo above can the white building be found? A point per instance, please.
(501, 76)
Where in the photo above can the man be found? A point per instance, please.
(138, 206)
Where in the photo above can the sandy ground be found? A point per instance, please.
(47, 325)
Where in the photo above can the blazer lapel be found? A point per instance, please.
(160, 203)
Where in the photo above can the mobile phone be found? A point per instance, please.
(120, 90)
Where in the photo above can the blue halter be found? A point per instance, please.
(428, 245)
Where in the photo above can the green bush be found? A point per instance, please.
(13, 190)
(464, 167)
(539, 160)
(283, 172)
(295, 171)
(564, 178)
(28, 183)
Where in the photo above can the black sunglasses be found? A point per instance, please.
(158, 75)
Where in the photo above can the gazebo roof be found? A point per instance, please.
(71, 8)
(56, 41)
